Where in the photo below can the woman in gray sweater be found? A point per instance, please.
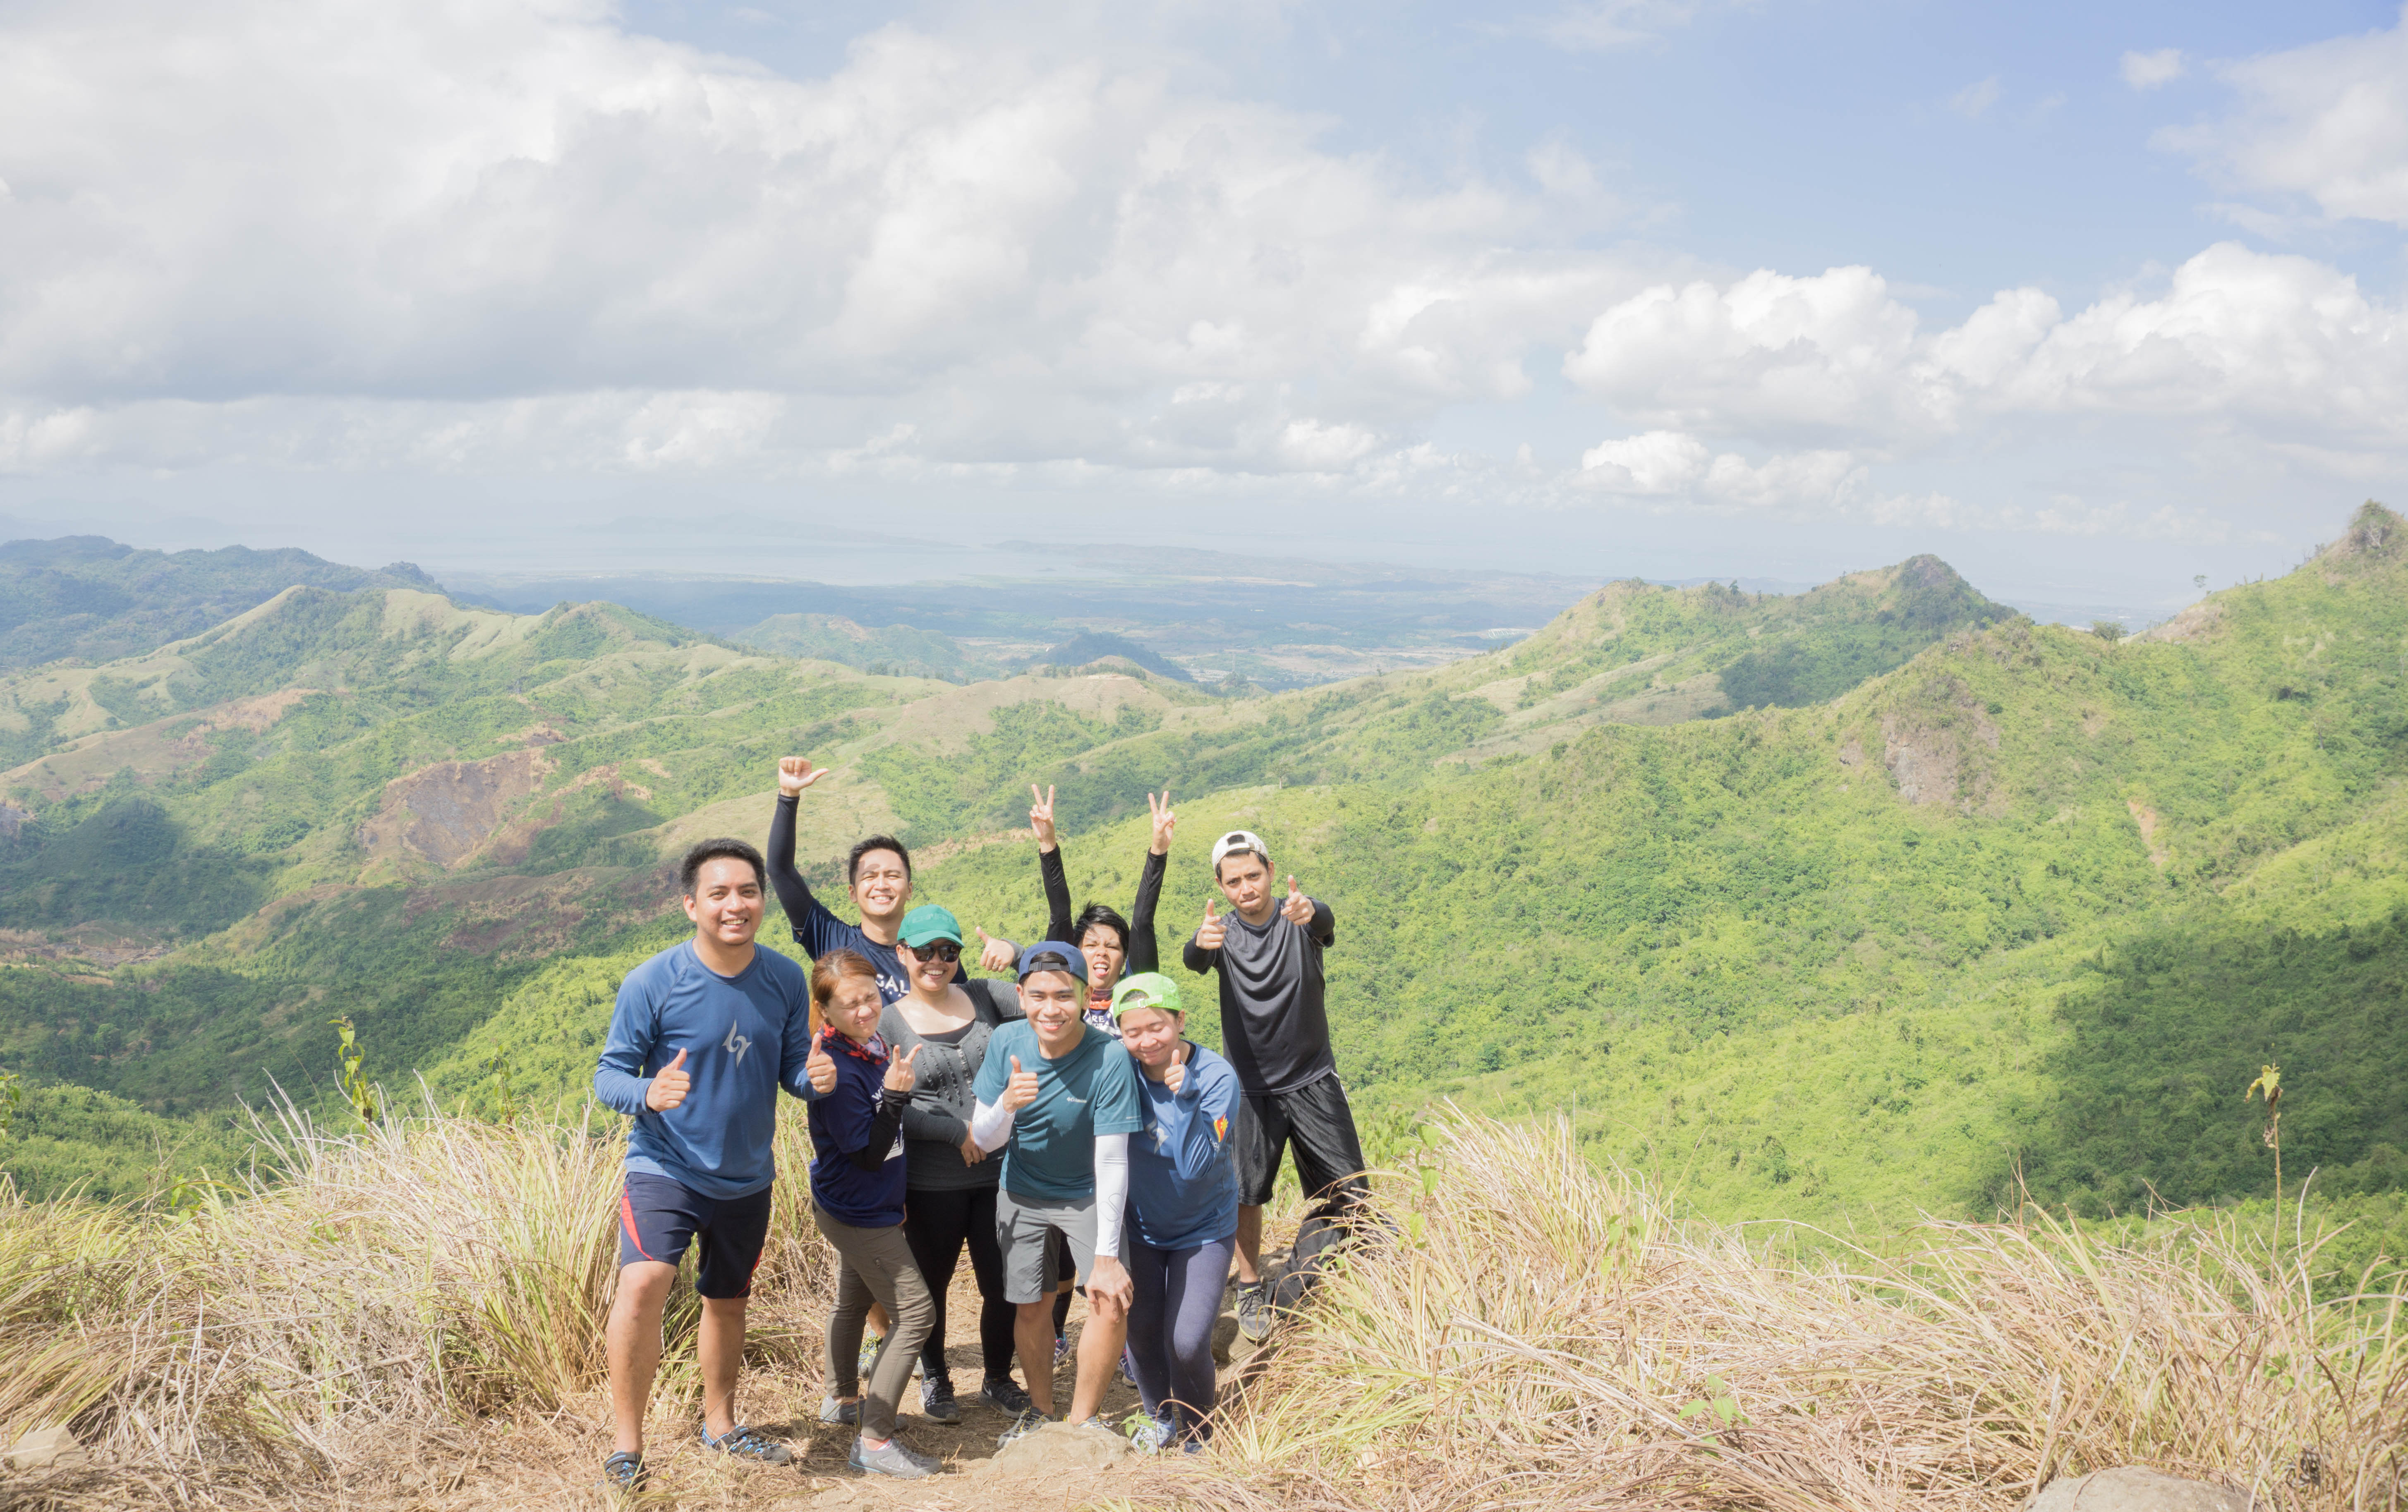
(949, 1182)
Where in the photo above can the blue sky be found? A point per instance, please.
(2085, 300)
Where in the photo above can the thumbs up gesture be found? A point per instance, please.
(1297, 909)
(1209, 936)
(1176, 1076)
(819, 1067)
(1021, 1090)
(669, 1085)
(996, 955)
(900, 1077)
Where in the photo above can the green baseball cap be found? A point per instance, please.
(928, 922)
(1146, 990)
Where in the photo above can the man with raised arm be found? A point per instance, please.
(703, 1035)
(877, 874)
(1275, 1032)
(1060, 1101)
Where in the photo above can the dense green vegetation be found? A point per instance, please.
(1916, 905)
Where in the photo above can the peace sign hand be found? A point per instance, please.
(819, 1067)
(900, 1077)
(1041, 816)
(1297, 909)
(795, 772)
(1163, 822)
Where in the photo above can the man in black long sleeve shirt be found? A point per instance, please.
(1275, 1032)
(877, 874)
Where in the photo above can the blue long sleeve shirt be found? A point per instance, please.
(744, 1037)
(1183, 1173)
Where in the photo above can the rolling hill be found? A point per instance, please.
(1869, 898)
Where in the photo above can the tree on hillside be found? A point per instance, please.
(2107, 630)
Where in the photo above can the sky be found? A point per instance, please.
(2091, 302)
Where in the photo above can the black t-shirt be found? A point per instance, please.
(1274, 1029)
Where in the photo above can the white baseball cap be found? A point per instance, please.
(1235, 841)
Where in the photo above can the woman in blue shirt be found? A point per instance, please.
(857, 1202)
(1182, 1210)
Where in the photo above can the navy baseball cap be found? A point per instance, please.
(1052, 955)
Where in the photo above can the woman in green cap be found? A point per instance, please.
(1182, 1210)
(949, 1182)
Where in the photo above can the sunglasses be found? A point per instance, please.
(944, 950)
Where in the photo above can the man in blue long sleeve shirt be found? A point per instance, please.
(703, 1035)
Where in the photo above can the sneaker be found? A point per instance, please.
(833, 1411)
(743, 1443)
(1254, 1314)
(1128, 1367)
(1148, 1433)
(936, 1402)
(1061, 1348)
(1005, 1392)
(1021, 1426)
(868, 1361)
(624, 1473)
(897, 1459)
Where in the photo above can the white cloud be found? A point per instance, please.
(2148, 70)
(1605, 26)
(2328, 122)
(1974, 99)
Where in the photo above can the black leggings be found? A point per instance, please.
(935, 1224)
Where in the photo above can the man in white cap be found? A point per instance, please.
(1275, 1032)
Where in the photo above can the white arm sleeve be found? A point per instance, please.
(1112, 1192)
(991, 1126)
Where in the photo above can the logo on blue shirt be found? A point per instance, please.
(736, 1042)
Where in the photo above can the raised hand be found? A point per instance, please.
(1021, 1090)
(997, 955)
(670, 1084)
(1209, 936)
(795, 772)
(1297, 909)
(1163, 822)
(1041, 816)
(1176, 1076)
(819, 1067)
(900, 1077)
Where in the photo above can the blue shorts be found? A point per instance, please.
(658, 1217)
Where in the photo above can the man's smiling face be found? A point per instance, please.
(881, 885)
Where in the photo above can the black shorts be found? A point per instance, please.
(1315, 1119)
(658, 1217)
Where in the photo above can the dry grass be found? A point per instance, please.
(1543, 1335)
(390, 1288)
(410, 1316)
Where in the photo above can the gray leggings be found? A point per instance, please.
(877, 1266)
(1170, 1326)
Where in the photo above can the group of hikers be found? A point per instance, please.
(1059, 1126)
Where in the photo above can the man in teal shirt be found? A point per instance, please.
(1060, 1100)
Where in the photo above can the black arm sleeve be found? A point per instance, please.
(1143, 953)
(793, 894)
(1197, 958)
(883, 1125)
(1058, 895)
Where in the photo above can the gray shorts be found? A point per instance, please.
(1022, 1225)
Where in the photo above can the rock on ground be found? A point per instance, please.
(2132, 1488)
(45, 1447)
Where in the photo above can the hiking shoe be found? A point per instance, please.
(1128, 1367)
(897, 1459)
(834, 1411)
(1147, 1433)
(868, 1361)
(624, 1473)
(1021, 1426)
(1005, 1392)
(936, 1402)
(1061, 1348)
(1254, 1314)
(743, 1443)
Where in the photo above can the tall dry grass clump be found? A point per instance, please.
(370, 1287)
(1535, 1332)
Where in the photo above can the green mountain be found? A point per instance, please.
(1874, 898)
